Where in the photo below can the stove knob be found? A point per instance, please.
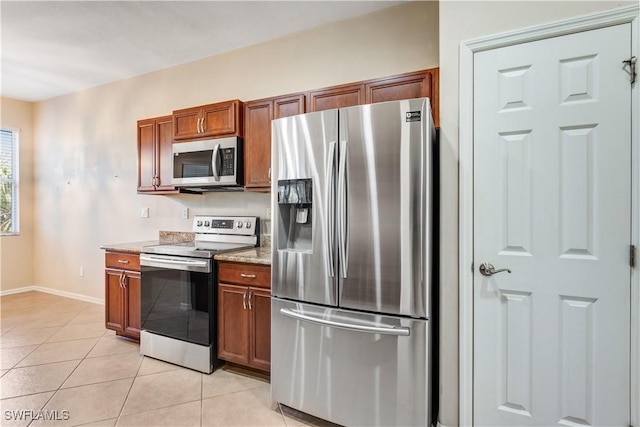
(247, 224)
(239, 224)
(199, 223)
(206, 223)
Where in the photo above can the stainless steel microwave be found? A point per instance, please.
(208, 165)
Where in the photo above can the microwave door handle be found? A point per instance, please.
(214, 162)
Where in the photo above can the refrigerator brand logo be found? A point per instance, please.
(414, 116)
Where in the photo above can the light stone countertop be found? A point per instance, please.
(260, 255)
(130, 247)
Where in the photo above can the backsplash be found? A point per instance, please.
(188, 236)
(176, 236)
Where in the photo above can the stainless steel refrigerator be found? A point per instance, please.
(352, 202)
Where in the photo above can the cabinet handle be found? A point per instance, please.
(244, 300)
(202, 125)
(250, 307)
(123, 261)
(248, 276)
(122, 279)
(269, 175)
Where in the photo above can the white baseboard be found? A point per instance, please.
(53, 292)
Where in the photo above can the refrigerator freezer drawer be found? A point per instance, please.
(350, 368)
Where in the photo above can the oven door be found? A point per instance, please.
(178, 297)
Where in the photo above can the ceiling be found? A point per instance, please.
(50, 48)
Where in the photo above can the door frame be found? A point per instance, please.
(623, 15)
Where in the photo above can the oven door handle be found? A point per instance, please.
(177, 264)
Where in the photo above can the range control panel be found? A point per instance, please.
(225, 224)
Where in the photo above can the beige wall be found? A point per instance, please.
(86, 141)
(16, 268)
(460, 21)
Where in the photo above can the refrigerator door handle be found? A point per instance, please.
(343, 226)
(330, 203)
(385, 330)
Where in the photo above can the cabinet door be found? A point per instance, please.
(406, 86)
(114, 300)
(146, 155)
(164, 157)
(185, 123)
(233, 323)
(336, 97)
(288, 106)
(132, 304)
(221, 119)
(260, 329)
(257, 143)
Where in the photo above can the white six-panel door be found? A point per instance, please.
(552, 203)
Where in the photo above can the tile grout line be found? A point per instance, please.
(55, 392)
(124, 402)
(202, 400)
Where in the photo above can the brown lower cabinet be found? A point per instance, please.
(122, 294)
(244, 315)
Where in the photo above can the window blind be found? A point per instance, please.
(8, 181)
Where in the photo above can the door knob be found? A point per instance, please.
(489, 270)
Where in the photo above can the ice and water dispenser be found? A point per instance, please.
(295, 205)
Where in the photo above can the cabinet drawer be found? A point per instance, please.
(122, 261)
(244, 274)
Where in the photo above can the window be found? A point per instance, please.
(9, 182)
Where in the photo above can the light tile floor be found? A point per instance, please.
(57, 360)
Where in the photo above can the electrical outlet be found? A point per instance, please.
(81, 271)
(185, 213)
(144, 212)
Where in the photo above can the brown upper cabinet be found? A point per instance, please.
(257, 136)
(155, 137)
(407, 86)
(259, 113)
(208, 121)
(336, 97)
(417, 84)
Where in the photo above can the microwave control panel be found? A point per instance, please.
(228, 161)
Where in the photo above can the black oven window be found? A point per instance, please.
(177, 304)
